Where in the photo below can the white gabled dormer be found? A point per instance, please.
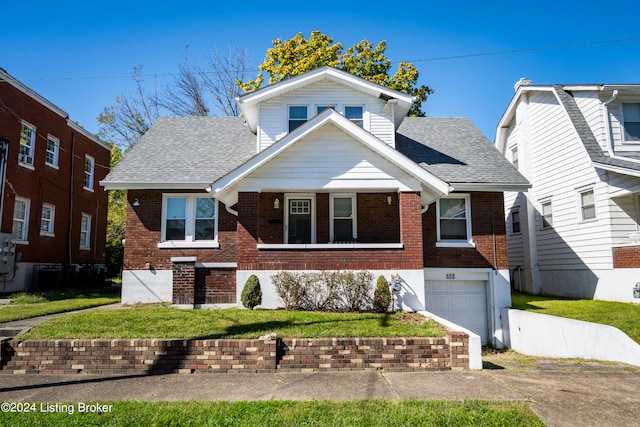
(274, 111)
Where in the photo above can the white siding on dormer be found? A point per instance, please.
(273, 116)
(329, 159)
(617, 128)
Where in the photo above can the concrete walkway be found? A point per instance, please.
(561, 393)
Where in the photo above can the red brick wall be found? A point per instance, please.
(127, 356)
(250, 258)
(143, 231)
(184, 277)
(215, 286)
(489, 235)
(626, 257)
(45, 184)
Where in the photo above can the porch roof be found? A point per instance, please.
(431, 187)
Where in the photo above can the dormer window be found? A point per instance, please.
(631, 117)
(355, 114)
(297, 116)
(321, 108)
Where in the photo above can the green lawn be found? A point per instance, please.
(165, 322)
(25, 306)
(367, 412)
(623, 316)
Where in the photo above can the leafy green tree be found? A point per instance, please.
(298, 55)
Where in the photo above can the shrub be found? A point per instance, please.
(355, 290)
(251, 293)
(381, 296)
(320, 291)
(289, 289)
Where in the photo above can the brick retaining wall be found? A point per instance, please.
(152, 356)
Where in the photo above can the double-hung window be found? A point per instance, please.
(89, 167)
(546, 214)
(587, 204)
(454, 221)
(297, 116)
(52, 153)
(515, 221)
(514, 157)
(20, 219)
(343, 218)
(189, 221)
(321, 108)
(631, 117)
(85, 231)
(27, 144)
(355, 114)
(47, 220)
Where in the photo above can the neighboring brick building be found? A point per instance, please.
(51, 200)
(322, 172)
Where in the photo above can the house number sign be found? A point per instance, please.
(450, 276)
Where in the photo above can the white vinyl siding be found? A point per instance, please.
(559, 165)
(328, 159)
(273, 116)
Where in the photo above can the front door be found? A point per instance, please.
(299, 221)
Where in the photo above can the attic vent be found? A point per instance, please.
(522, 82)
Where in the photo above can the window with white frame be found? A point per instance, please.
(47, 219)
(85, 231)
(631, 118)
(546, 214)
(515, 221)
(355, 113)
(89, 167)
(321, 108)
(343, 218)
(514, 157)
(20, 219)
(27, 144)
(297, 116)
(587, 204)
(52, 153)
(454, 219)
(189, 218)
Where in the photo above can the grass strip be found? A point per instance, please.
(623, 316)
(378, 412)
(165, 322)
(26, 306)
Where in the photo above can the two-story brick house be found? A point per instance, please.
(324, 171)
(50, 198)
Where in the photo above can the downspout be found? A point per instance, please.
(4, 148)
(70, 216)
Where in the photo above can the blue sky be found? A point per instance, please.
(78, 54)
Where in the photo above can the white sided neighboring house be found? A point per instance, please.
(575, 232)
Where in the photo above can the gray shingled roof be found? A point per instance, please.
(454, 150)
(187, 150)
(179, 151)
(587, 137)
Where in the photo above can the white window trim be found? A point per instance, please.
(622, 124)
(540, 205)
(86, 243)
(354, 213)
(447, 243)
(50, 232)
(56, 154)
(288, 115)
(365, 123)
(514, 210)
(92, 174)
(515, 157)
(190, 223)
(24, 239)
(289, 196)
(32, 146)
(579, 193)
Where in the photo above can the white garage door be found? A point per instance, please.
(463, 302)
